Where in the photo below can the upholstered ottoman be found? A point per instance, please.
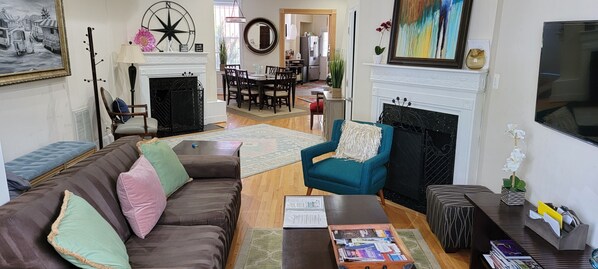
(47, 161)
(450, 215)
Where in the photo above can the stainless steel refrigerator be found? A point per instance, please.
(310, 53)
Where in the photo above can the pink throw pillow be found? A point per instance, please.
(141, 196)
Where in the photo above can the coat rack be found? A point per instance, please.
(94, 80)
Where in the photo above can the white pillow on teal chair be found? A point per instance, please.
(358, 141)
(84, 238)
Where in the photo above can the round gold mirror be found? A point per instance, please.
(260, 36)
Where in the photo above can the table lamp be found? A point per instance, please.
(131, 54)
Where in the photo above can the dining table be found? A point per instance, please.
(261, 81)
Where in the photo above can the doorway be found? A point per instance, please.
(352, 19)
(331, 13)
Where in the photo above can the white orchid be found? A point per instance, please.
(514, 132)
(514, 161)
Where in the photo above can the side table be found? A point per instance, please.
(334, 108)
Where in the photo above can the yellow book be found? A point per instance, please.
(543, 208)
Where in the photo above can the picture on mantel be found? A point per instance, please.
(32, 41)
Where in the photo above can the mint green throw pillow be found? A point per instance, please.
(171, 172)
(83, 237)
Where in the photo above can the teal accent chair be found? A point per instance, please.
(342, 176)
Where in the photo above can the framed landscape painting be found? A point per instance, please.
(32, 41)
(429, 32)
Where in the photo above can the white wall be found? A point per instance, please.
(558, 168)
(370, 16)
(126, 20)
(270, 9)
(38, 113)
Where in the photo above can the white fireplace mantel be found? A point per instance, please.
(174, 64)
(452, 91)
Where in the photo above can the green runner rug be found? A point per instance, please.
(262, 249)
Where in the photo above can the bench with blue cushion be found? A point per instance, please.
(45, 162)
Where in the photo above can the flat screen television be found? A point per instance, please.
(567, 99)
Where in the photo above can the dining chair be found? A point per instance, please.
(272, 70)
(233, 66)
(281, 92)
(245, 88)
(231, 84)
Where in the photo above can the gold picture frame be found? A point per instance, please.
(33, 42)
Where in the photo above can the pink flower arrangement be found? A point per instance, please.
(145, 39)
(384, 27)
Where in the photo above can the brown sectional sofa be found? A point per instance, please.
(195, 230)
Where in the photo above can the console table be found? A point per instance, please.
(493, 220)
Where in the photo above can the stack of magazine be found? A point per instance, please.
(506, 254)
(304, 212)
(366, 245)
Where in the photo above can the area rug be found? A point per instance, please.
(265, 147)
(262, 249)
(266, 113)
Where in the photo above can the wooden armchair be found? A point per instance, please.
(142, 126)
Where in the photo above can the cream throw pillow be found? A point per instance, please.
(359, 142)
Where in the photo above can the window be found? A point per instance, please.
(230, 32)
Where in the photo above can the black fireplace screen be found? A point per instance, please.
(177, 104)
(422, 154)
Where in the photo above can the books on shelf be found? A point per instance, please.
(506, 254)
(526, 264)
(509, 249)
(304, 212)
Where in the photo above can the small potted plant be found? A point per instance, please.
(384, 27)
(513, 188)
(336, 65)
(223, 53)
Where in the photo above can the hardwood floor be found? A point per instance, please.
(262, 198)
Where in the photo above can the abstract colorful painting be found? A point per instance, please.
(429, 32)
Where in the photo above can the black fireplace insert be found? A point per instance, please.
(422, 154)
(177, 104)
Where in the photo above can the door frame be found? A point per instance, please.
(331, 28)
(352, 16)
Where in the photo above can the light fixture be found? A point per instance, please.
(131, 54)
(236, 19)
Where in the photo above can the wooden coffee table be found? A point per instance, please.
(311, 248)
(227, 148)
